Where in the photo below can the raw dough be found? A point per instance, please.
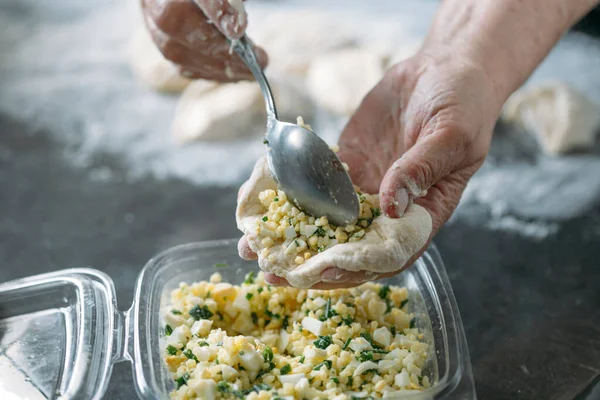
(562, 118)
(387, 245)
(210, 111)
(339, 80)
(294, 37)
(150, 66)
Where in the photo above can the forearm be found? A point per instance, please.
(508, 38)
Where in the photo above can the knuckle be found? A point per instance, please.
(170, 15)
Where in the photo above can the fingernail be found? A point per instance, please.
(401, 201)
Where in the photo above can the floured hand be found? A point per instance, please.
(418, 136)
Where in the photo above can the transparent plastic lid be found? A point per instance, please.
(61, 333)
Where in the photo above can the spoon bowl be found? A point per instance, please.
(302, 163)
(311, 174)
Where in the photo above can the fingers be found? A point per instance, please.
(186, 37)
(368, 133)
(228, 16)
(439, 151)
(245, 251)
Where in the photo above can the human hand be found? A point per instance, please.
(419, 135)
(190, 33)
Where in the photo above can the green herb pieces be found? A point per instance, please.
(259, 290)
(265, 218)
(376, 212)
(249, 296)
(286, 369)
(384, 291)
(249, 280)
(320, 232)
(223, 387)
(323, 342)
(168, 330)
(345, 346)
(267, 354)
(365, 355)
(301, 360)
(335, 380)
(276, 199)
(327, 363)
(182, 380)
(412, 323)
(285, 323)
(203, 344)
(403, 303)
(265, 141)
(254, 317)
(172, 350)
(368, 338)
(188, 353)
(175, 312)
(348, 320)
(199, 313)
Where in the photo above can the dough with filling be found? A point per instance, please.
(151, 68)
(339, 80)
(562, 118)
(387, 245)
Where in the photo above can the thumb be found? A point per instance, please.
(434, 156)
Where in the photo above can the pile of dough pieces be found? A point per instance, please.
(562, 118)
(388, 243)
(315, 59)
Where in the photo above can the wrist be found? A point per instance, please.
(507, 39)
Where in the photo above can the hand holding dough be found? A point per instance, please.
(387, 245)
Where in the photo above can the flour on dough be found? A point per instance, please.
(151, 68)
(207, 111)
(339, 80)
(562, 118)
(387, 245)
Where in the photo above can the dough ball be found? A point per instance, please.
(209, 111)
(338, 81)
(151, 68)
(387, 245)
(562, 118)
(293, 38)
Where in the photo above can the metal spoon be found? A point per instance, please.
(302, 163)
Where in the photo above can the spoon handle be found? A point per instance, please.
(243, 47)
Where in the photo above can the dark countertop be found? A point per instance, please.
(530, 308)
(530, 305)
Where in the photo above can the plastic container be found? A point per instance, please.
(60, 333)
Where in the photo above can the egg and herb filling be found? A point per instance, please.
(302, 235)
(255, 341)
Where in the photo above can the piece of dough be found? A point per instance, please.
(209, 111)
(562, 118)
(387, 245)
(294, 37)
(150, 66)
(339, 80)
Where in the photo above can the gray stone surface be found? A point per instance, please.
(84, 184)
